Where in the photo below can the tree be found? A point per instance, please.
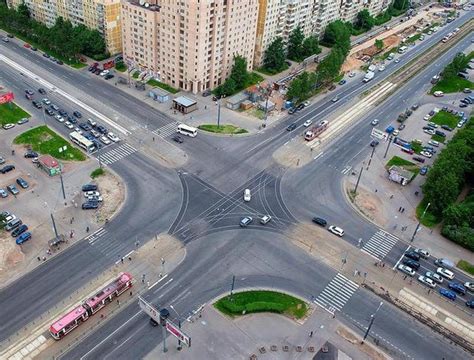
(364, 20)
(274, 57)
(310, 46)
(23, 10)
(239, 73)
(337, 33)
(401, 4)
(295, 42)
(379, 44)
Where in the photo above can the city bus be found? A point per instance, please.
(187, 130)
(80, 140)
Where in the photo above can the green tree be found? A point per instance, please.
(239, 73)
(401, 4)
(310, 46)
(379, 44)
(274, 57)
(364, 20)
(295, 42)
(337, 33)
(23, 10)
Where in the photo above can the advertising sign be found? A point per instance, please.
(379, 134)
(176, 331)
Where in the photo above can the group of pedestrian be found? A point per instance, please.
(401, 209)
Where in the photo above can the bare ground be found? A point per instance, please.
(349, 336)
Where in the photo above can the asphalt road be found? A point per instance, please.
(218, 248)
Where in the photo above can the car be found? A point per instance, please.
(291, 127)
(428, 130)
(432, 125)
(30, 154)
(46, 101)
(306, 103)
(46, 55)
(436, 277)
(457, 287)
(406, 269)
(95, 133)
(101, 129)
(469, 285)
(375, 122)
(85, 127)
(246, 221)
(3, 193)
(335, 99)
(33, 48)
(265, 219)
(336, 230)
(23, 121)
(247, 195)
(29, 92)
(105, 140)
(59, 118)
(5, 39)
(429, 149)
(7, 168)
(91, 193)
(92, 68)
(91, 122)
(342, 82)
(433, 143)
(42, 91)
(427, 281)
(72, 119)
(8, 126)
(462, 105)
(460, 124)
(89, 187)
(440, 133)
(54, 107)
(415, 106)
(438, 94)
(419, 159)
(424, 170)
(68, 125)
(104, 72)
(467, 91)
(109, 76)
(319, 221)
(89, 137)
(113, 137)
(427, 117)
(426, 154)
(62, 112)
(178, 139)
(446, 127)
(300, 107)
(352, 74)
(97, 143)
(412, 255)
(90, 205)
(22, 182)
(307, 123)
(332, 87)
(49, 111)
(77, 114)
(401, 127)
(19, 230)
(2, 160)
(381, 68)
(451, 295)
(13, 189)
(470, 303)
(97, 71)
(291, 110)
(23, 238)
(415, 265)
(448, 274)
(395, 132)
(95, 198)
(37, 104)
(374, 143)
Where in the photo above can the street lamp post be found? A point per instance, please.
(179, 325)
(388, 145)
(372, 318)
(419, 222)
(358, 179)
(218, 113)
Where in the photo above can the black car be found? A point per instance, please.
(291, 127)
(7, 168)
(320, 221)
(37, 104)
(90, 205)
(415, 265)
(59, 62)
(49, 111)
(462, 105)
(22, 182)
(415, 106)
(412, 255)
(374, 143)
(34, 49)
(108, 76)
(29, 92)
(62, 112)
(440, 133)
(89, 187)
(101, 129)
(10, 36)
(419, 159)
(71, 119)
(42, 91)
(300, 107)
(177, 139)
(77, 114)
(85, 127)
(446, 127)
(31, 154)
(291, 110)
(92, 68)
(46, 55)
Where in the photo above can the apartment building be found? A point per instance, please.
(188, 44)
(103, 15)
(350, 8)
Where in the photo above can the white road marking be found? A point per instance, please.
(156, 283)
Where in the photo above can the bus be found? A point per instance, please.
(80, 140)
(187, 130)
(69, 321)
(402, 49)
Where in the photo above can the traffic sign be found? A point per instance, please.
(379, 134)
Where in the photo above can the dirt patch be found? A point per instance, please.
(355, 340)
(112, 191)
(10, 253)
(294, 154)
(369, 204)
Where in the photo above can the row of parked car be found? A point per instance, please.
(105, 73)
(92, 197)
(14, 224)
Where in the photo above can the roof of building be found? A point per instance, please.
(186, 102)
(401, 171)
(159, 92)
(237, 98)
(48, 161)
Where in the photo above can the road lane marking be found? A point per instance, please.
(156, 283)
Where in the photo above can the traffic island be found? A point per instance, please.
(222, 129)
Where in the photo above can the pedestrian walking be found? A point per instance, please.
(153, 138)
(87, 229)
(376, 190)
(118, 302)
(400, 209)
(44, 258)
(121, 260)
(131, 293)
(311, 334)
(129, 258)
(391, 196)
(403, 210)
(39, 259)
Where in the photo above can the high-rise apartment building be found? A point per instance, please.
(103, 15)
(188, 44)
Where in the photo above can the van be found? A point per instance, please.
(13, 224)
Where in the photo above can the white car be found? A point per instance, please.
(308, 123)
(438, 93)
(95, 133)
(8, 126)
(105, 140)
(427, 281)
(423, 253)
(397, 61)
(306, 103)
(94, 198)
(78, 130)
(469, 285)
(46, 101)
(336, 230)
(448, 274)
(104, 72)
(335, 99)
(247, 195)
(265, 219)
(406, 269)
(113, 137)
(433, 143)
(432, 124)
(426, 117)
(59, 118)
(395, 132)
(381, 68)
(426, 154)
(375, 122)
(434, 276)
(68, 125)
(460, 124)
(352, 74)
(429, 131)
(91, 193)
(91, 122)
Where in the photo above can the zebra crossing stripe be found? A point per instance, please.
(166, 130)
(380, 244)
(116, 154)
(95, 235)
(336, 293)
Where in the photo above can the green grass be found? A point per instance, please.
(45, 141)
(262, 301)
(445, 118)
(452, 84)
(222, 129)
(398, 161)
(97, 172)
(11, 113)
(429, 220)
(159, 84)
(266, 71)
(416, 146)
(412, 39)
(254, 78)
(466, 266)
(438, 138)
(136, 74)
(120, 66)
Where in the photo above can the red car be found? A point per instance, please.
(27, 45)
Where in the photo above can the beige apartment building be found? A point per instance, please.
(103, 15)
(188, 44)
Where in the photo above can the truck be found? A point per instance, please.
(390, 129)
(369, 76)
(316, 130)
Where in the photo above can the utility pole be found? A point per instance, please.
(372, 318)
(62, 185)
(358, 179)
(388, 145)
(371, 156)
(54, 226)
(419, 222)
(218, 113)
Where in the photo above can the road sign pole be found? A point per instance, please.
(232, 286)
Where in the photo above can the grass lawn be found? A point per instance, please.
(416, 146)
(452, 85)
(445, 118)
(97, 172)
(438, 138)
(11, 113)
(413, 38)
(466, 266)
(166, 87)
(398, 161)
(120, 66)
(45, 141)
(222, 129)
(429, 220)
(262, 301)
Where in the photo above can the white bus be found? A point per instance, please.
(82, 141)
(187, 130)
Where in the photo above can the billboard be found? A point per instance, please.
(6, 97)
(379, 134)
(175, 331)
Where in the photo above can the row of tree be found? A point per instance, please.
(239, 78)
(452, 171)
(64, 39)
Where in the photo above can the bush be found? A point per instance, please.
(97, 172)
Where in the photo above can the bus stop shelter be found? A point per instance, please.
(184, 104)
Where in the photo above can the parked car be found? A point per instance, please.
(42, 91)
(406, 269)
(23, 238)
(342, 82)
(426, 154)
(3, 193)
(22, 182)
(8, 126)
(91, 193)
(101, 129)
(451, 295)
(423, 253)
(427, 281)
(419, 159)
(19, 230)
(89, 187)
(7, 168)
(446, 127)
(336, 230)
(108, 76)
(265, 219)
(440, 133)
(37, 104)
(448, 274)
(95, 199)
(113, 137)
(457, 287)
(77, 114)
(415, 265)
(85, 127)
(436, 277)
(433, 143)
(374, 143)
(23, 121)
(31, 154)
(49, 111)
(90, 205)
(319, 221)
(13, 189)
(246, 221)
(470, 303)
(424, 170)
(412, 255)
(68, 125)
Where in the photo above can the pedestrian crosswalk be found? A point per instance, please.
(116, 154)
(166, 130)
(380, 244)
(335, 295)
(96, 235)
